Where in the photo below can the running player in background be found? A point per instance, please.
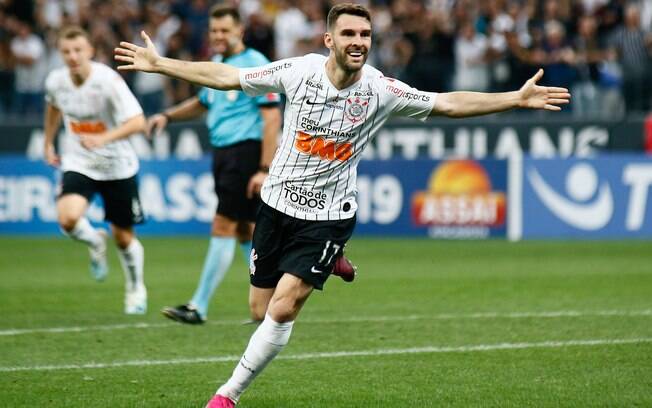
(335, 106)
(237, 123)
(99, 113)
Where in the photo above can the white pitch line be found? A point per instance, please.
(337, 354)
(362, 319)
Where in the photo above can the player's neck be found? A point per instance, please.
(79, 78)
(340, 78)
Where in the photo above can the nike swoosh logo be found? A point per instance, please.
(309, 102)
(589, 216)
(313, 270)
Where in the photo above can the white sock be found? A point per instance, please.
(266, 342)
(84, 232)
(132, 260)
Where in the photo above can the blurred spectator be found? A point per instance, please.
(556, 56)
(259, 34)
(435, 45)
(21, 10)
(177, 90)
(471, 72)
(630, 46)
(194, 14)
(160, 25)
(56, 13)
(497, 23)
(589, 52)
(6, 66)
(589, 7)
(431, 67)
(392, 52)
(53, 58)
(291, 26)
(313, 39)
(28, 51)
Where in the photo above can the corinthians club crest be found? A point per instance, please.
(355, 109)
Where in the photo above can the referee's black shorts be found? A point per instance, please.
(233, 166)
(284, 244)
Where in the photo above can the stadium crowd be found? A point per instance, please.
(600, 49)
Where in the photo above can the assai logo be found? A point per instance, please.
(587, 204)
(460, 195)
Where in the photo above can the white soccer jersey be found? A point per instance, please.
(313, 175)
(102, 102)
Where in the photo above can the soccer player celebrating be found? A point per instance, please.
(236, 123)
(99, 113)
(335, 106)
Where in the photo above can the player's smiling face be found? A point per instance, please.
(77, 53)
(350, 41)
(225, 35)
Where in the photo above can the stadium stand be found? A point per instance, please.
(601, 49)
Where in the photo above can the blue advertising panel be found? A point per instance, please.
(440, 199)
(177, 196)
(436, 198)
(603, 197)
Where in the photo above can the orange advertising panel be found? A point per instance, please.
(459, 194)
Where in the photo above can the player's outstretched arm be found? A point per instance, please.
(147, 59)
(531, 95)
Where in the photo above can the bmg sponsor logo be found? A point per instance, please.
(303, 198)
(319, 146)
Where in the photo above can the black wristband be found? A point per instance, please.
(264, 169)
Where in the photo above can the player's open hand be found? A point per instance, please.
(155, 125)
(256, 183)
(92, 141)
(51, 156)
(534, 96)
(135, 58)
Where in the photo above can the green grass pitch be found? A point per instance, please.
(425, 324)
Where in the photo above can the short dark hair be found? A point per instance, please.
(346, 8)
(72, 31)
(223, 10)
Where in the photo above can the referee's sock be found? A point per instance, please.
(218, 259)
(266, 342)
(246, 251)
